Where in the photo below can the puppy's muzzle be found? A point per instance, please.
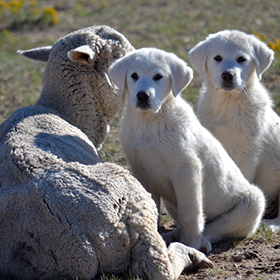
(143, 98)
(228, 80)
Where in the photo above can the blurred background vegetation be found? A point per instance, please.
(173, 25)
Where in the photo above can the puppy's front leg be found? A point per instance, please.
(156, 198)
(187, 186)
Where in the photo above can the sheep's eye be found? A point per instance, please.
(134, 76)
(157, 77)
(241, 59)
(218, 58)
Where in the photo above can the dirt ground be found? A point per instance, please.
(253, 258)
(247, 260)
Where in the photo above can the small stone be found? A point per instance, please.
(250, 272)
(250, 255)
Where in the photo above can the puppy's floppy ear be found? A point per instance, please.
(117, 73)
(181, 74)
(198, 56)
(263, 55)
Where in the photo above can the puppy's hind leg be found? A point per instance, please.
(241, 221)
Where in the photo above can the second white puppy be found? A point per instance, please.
(176, 158)
(236, 107)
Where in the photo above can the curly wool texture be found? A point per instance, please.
(64, 213)
(82, 93)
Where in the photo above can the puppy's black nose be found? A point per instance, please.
(142, 96)
(227, 76)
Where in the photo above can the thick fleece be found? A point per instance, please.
(76, 83)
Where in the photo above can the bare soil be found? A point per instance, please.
(254, 258)
(246, 260)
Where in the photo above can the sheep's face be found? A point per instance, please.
(90, 52)
(99, 48)
(76, 82)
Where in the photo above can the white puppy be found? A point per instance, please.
(237, 109)
(176, 158)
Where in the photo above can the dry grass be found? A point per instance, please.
(173, 25)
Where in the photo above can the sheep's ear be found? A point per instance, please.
(263, 55)
(198, 56)
(117, 73)
(39, 54)
(83, 54)
(181, 74)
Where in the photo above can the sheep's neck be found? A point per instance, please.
(90, 112)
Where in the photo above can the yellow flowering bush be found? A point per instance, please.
(274, 45)
(51, 14)
(15, 13)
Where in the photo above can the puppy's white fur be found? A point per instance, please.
(241, 115)
(176, 158)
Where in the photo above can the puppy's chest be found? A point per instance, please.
(151, 152)
(234, 142)
(150, 166)
(146, 135)
(150, 149)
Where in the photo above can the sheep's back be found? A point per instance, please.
(59, 203)
(71, 212)
(35, 137)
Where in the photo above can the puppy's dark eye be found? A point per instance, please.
(134, 76)
(157, 77)
(241, 59)
(218, 58)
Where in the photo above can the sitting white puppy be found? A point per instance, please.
(237, 109)
(176, 158)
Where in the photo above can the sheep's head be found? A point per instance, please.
(76, 82)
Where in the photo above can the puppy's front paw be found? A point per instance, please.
(273, 224)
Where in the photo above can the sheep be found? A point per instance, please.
(92, 50)
(63, 212)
